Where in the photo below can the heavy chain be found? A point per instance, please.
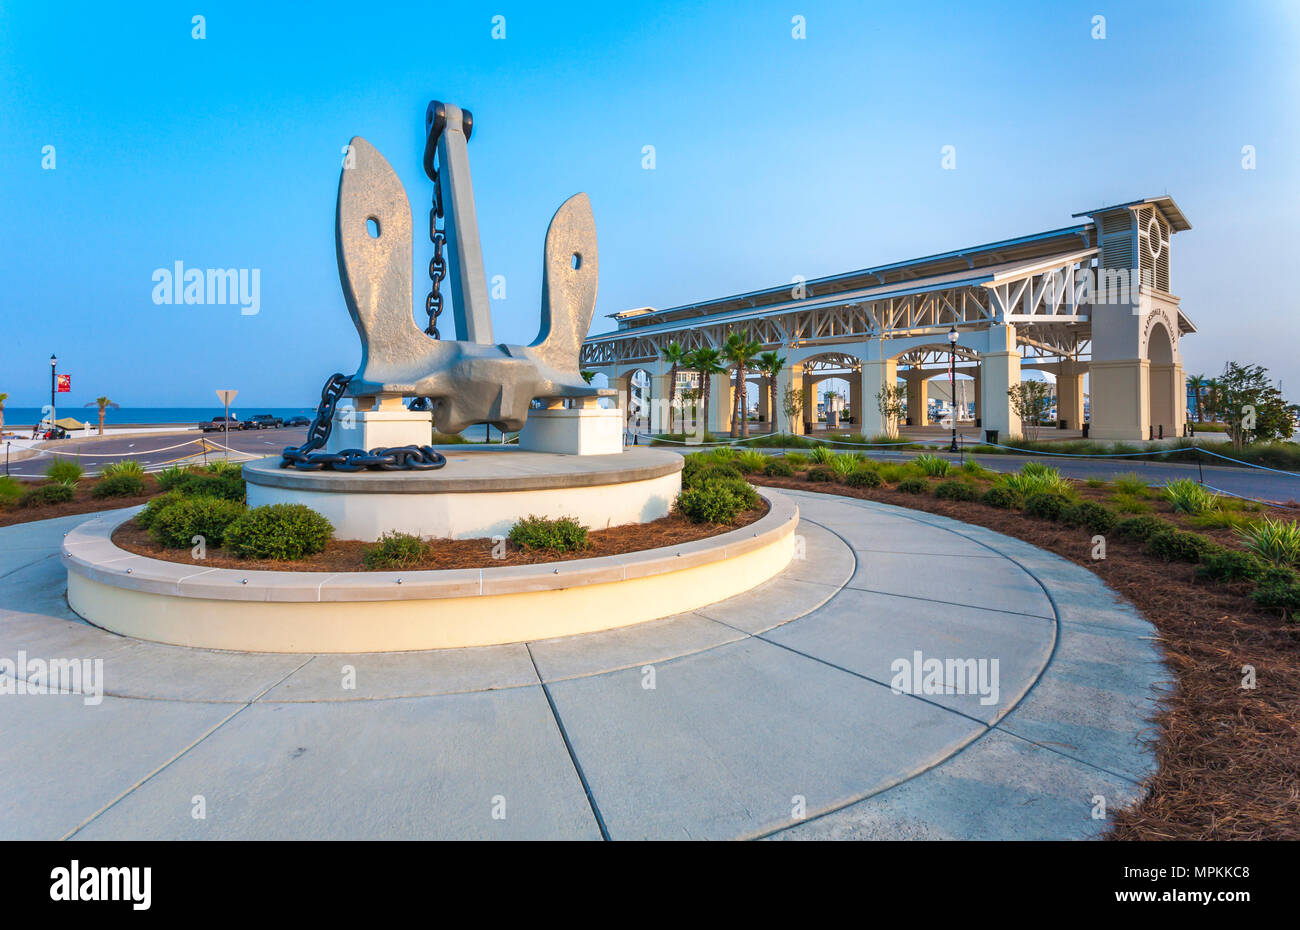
(395, 458)
(437, 264)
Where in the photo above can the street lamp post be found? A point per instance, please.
(54, 378)
(952, 380)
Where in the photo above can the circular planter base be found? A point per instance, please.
(322, 612)
(478, 493)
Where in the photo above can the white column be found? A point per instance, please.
(917, 386)
(789, 377)
(1069, 393)
(721, 403)
(999, 371)
(1121, 399)
(875, 376)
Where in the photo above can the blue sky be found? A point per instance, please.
(774, 157)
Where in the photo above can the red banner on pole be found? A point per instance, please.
(65, 384)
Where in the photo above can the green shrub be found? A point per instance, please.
(1047, 505)
(1179, 546)
(63, 470)
(820, 455)
(932, 465)
(864, 478)
(1230, 565)
(702, 466)
(1276, 541)
(955, 490)
(47, 494)
(120, 485)
(1036, 478)
(1140, 529)
(1127, 503)
(144, 519)
(718, 501)
(171, 478)
(124, 467)
(1002, 497)
(845, 464)
(775, 468)
(1223, 520)
(176, 525)
(1092, 516)
(1095, 482)
(973, 469)
(913, 485)
(223, 469)
(749, 461)
(277, 531)
(561, 534)
(1132, 484)
(1187, 496)
(396, 550)
(10, 489)
(821, 473)
(894, 472)
(1279, 590)
(796, 459)
(226, 487)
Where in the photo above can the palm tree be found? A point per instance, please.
(3, 398)
(1213, 397)
(1197, 384)
(770, 364)
(740, 350)
(103, 403)
(707, 362)
(675, 356)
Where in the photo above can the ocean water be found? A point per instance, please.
(17, 418)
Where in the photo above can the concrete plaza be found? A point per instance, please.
(769, 715)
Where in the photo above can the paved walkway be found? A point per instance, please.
(767, 715)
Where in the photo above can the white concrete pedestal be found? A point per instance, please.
(587, 430)
(385, 426)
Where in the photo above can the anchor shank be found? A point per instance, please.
(471, 311)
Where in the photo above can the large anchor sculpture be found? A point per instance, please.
(471, 380)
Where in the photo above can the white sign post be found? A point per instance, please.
(226, 397)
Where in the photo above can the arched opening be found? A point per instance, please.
(1161, 393)
(832, 388)
(932, 406)
(635, 387)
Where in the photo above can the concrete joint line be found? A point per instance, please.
(568, 746)
(184, 750)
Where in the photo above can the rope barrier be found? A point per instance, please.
(100, 455)
(1089, 455)
(1254, 500)
(1278, 471)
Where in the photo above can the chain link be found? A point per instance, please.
(437, 264)
(389, 458)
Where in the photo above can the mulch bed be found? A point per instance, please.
(1229, 756)
(348, 556)
(82, 502)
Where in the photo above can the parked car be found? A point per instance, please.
(218, 424)
(297, 421)
(263, 421)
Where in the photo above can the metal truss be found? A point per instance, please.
(1040, 297)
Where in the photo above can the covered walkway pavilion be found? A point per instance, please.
(1093, 299)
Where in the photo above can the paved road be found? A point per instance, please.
(775, 714)
(158, 450)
